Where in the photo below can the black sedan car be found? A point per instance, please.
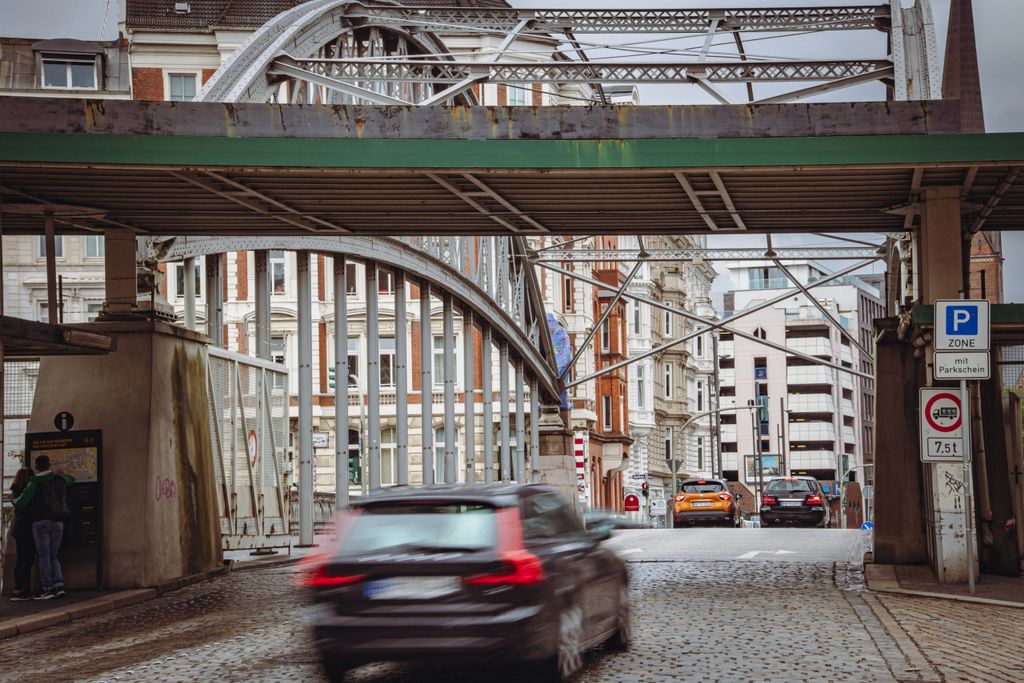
(794, 500)
(465, 575)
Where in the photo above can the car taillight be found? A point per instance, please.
(517, 568)
(769, 500)
(680, 498)
(725, 496)
(321, 579)
(814, 499)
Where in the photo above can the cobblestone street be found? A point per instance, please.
(722, 620)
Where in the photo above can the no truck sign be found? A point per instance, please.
(942, 424)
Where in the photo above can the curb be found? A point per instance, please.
(882, 579)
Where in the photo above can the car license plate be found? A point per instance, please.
(412, 587)
(702, 504)
(791, 503)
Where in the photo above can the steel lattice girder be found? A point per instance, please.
(696, 254)
(429, 71)
(589, 21)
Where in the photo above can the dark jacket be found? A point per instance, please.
(29, 502)
(22, 518)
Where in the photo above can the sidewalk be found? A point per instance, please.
(920, 580)
(23, 617)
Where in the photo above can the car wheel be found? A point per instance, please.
(568, 658)
(336, 669)
(623, 636)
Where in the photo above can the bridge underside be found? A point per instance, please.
(220, 169)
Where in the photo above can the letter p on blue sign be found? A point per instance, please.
(962, 320)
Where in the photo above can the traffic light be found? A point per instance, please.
(330, 376)
(645, 488)
(355, 451)
(355, 473)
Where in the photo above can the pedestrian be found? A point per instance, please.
(46, 499)
(22, 529)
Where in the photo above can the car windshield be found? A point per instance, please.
(801, 486)
(702, 487)
(469, 527)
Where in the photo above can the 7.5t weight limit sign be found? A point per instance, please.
(942, 425)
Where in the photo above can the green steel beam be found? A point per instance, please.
(1001, 314)
(251, 152)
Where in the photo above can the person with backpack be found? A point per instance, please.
(46, 500)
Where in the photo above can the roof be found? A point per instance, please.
(240, 14)
(169, 168)
(68, 45)
(501, 494)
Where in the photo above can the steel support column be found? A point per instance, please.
(468, 387)
(506, 459)
(262, 298)
(190, 298)
(534, 432)
(51, 267)
(487, 398)
(451, 464)
(305, 323)
(372, 376)
(401, 379)
(426, 384)
(341, 372)
(520, 425)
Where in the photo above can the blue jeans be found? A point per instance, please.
(47, 534)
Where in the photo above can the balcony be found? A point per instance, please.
(727, 377)
(846, 380)
(808, 374)
(845, 353)
(810, 403)
(849, 436)
(847, 406)
(811, 460)
(726, 401)
(729, 433)
(811, 431)
(726, 349)
(812, 346)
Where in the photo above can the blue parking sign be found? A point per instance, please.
(962, 320)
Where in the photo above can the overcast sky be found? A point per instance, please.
(1000, 55)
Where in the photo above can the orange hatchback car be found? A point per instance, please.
(705, 500)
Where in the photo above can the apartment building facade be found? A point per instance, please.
(807, 418)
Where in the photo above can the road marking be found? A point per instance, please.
(754, 553)
(631, 550)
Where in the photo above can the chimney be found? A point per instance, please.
(960, 79)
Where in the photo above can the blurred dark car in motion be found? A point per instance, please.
(595, 520)
(794, 500)
(467, 574)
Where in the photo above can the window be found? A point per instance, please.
(388, 457)
(640, 389)
(547, 517)
(606, 336)
(277, 349)
(567, 291)
(351, 279)
(385, 282)
(669, 450)
(95, 247)
(700, 397)
(179, 280)
(767, 278)
(517, 95)
(606, 413)
(181, 87)
(58, 246)
(44, 312)
(437, 351)
(700, 452)
(636, 317)
(69, 71)
(667, 327)
(439, 446)
(668, 381)
(93, 310)
(277, 280)
(387, 361)
(353, 361)
(700, 347)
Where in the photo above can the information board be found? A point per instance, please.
(78, 454)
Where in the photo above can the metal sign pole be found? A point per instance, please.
(966, 434)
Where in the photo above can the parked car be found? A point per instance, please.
(705, 501)
(502, 575)
(794, 500)
(608, 519)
